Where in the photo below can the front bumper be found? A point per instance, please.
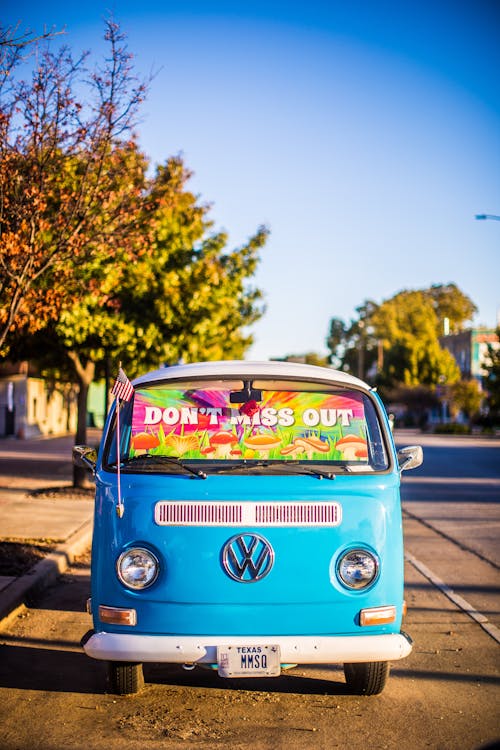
(203, 649)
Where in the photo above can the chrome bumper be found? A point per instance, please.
(203, 649)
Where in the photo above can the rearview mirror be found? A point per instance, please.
(247, 394)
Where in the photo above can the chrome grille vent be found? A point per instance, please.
(168, 513)
(297, 514)
(198, 514)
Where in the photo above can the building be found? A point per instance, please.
(470, 350)
(31, 406)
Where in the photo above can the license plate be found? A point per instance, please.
(249, 661)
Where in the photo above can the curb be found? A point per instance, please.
(45, 572)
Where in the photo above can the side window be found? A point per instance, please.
(378, 453)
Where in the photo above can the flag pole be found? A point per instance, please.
(120, 508)
(123, 390)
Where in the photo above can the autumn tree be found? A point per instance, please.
(182, 296)
(59, 198)
(98, 261)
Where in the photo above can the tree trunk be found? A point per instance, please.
(85, 377)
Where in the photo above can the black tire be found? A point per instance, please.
(366, 678)
(125, 678)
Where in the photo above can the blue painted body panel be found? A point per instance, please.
(301, 594)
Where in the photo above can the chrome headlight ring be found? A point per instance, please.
(358, 569)
(137, 568)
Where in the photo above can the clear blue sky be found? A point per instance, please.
(365, 134)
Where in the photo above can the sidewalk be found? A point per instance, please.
(39, 507)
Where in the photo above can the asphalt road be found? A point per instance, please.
(457, 490)
(445, 695)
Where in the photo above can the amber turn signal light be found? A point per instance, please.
(377, 615)
(117, 615)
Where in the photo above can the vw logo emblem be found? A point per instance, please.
(247, 558)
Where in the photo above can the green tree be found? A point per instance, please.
(451, 305)
(492, 382)
(336, 341)
(398, 339)
(466, 397)
(309, 358)
(407, 326)
(188, 297)
(353, 346)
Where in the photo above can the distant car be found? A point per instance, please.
(248, 521)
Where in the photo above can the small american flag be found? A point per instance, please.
(123, 388)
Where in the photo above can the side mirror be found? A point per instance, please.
(410, 457)
(85, 457)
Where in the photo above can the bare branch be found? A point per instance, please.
(16, 46)
(63, 156)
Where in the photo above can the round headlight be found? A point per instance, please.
(137, 568)
(358, 568)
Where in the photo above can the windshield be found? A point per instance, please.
(216, 425)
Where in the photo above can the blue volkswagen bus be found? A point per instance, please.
(247, 518)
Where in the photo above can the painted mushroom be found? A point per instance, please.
(144, 442)
(207, 451)
(352, 447)
(291, 450)
(182, 443)
(309, 446)
(312, 445)
(263, 444)
(222, 443)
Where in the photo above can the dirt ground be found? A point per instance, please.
(444, 696)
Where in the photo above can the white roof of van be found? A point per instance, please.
(245, 369)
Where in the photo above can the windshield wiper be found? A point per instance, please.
(316, 472)
(248, 465)
(301, 469)
(148, 461)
